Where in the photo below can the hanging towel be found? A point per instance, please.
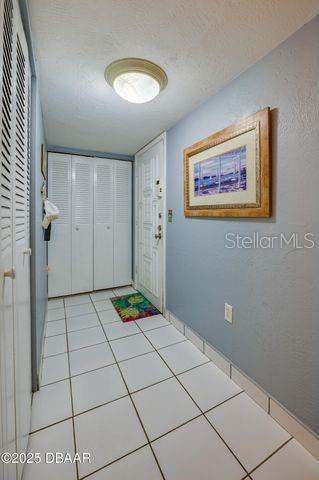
(51, 213)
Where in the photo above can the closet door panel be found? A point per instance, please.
(59, 251)
(21, 239)
(122, 223)
(7, 387)
(82, 224)
(103, 223)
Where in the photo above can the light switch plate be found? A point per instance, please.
(228, 313)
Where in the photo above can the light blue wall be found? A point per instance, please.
(275, 293)
(39, 291)
(38, 246)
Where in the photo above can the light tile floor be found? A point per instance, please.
(147, 405)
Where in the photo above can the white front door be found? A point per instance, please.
(150, 214)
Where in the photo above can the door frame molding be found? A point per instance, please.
(160, 138)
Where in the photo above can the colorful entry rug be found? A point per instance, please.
(133, 306)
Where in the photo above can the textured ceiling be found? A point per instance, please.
(201, 44)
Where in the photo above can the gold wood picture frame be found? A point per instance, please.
(228, 174)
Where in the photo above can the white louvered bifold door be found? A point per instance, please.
(21, 236)
(7, 396)
(122, 223)
(82, 224)
(59, 247)
(15, 328)
(103, 223)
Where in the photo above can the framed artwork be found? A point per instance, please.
(44, 161)
(229, 173)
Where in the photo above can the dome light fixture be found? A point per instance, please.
(136, 80)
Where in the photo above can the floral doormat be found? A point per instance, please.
(133, 306)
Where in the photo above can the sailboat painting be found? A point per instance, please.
(224, 173)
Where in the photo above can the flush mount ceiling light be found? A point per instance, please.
(136, 80)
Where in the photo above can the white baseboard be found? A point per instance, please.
(250, 387)
(295, 428)
(194, 338)
(177, 323)
(217, 359)
(287, 420)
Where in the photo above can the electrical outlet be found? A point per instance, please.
(228, 313)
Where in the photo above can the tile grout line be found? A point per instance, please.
(138, 333)
(62, 297)
(123, 396)
(83, 314)
(122, 361)
(78, 329)
(113, 461)
(148, 386)
(225, 401)
(199, 415)
(146, 331)
(88, 346)
(271, 455)
(51, 424)
(66, 336)
(87, 328)
(103, 324)
(269, 397)
(55, 320)
(129, 394)
(202, 413)
(155, 328)
(224, 441)
(71, 394)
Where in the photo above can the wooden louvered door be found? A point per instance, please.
(103, 223)
(15, 326)
(82, 224)
(59, 252)
(7, 398)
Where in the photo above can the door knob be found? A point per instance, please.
(28, 251)
(10, 273)
(158, 236)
